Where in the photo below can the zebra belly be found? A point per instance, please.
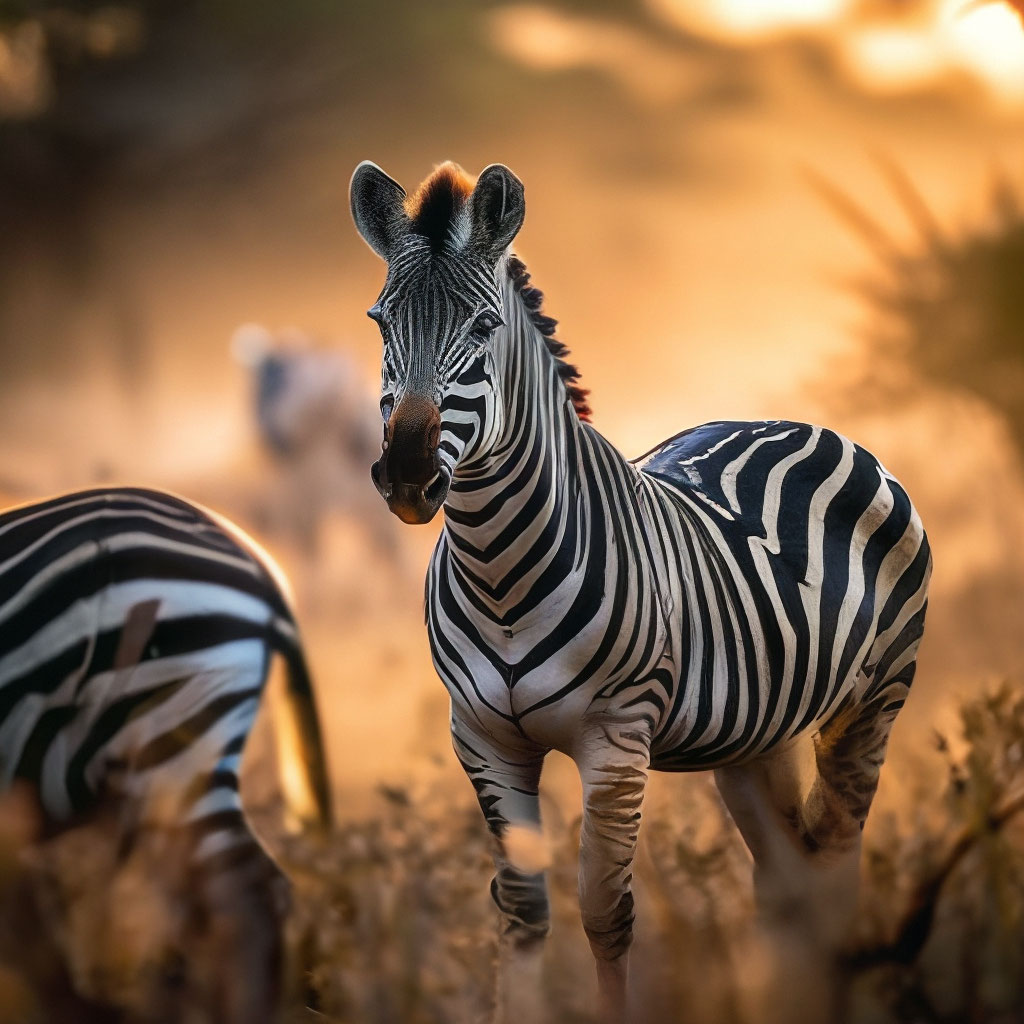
(744, 684)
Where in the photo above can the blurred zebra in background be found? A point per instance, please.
(317, 422)
(136, 635)
(743, 589)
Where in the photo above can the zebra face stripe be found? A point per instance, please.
(438, 314)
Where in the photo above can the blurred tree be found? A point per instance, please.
(950, 306)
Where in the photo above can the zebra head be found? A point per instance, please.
(439, 309)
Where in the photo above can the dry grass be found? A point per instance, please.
(393, 922)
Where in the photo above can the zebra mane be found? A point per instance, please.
(533, 298)
(432, 208)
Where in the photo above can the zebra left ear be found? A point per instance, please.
(497, 208)
(376, 200)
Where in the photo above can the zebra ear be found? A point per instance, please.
(377, 208)
(497, 208)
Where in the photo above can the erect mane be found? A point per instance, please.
(533, 299)
(431, 210)
(433, 206)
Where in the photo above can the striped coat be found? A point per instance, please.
(710, 599)
(742, 588)
(136, 632)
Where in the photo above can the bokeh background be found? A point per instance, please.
(809, 209)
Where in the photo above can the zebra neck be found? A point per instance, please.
(514, 517)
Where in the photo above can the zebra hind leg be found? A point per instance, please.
(849, 752)
(765, 799)
(240, 899)
(806, 839)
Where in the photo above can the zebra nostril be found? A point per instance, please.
(412, 438)
(387, 407)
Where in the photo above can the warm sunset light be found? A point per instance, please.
(471, 475)
(987, 40)
(751, 20)
(890, 58)
(905, 49)
(548, 40)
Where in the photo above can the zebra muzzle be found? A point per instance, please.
(414, 504)
(409, 474)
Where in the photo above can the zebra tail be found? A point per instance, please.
(301, 758)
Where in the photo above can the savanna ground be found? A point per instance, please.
(727, 225)
(392, 923)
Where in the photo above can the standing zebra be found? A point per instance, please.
(742, 586)
(136, 632)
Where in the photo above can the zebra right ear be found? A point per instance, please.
(497, 208)
(377, 208)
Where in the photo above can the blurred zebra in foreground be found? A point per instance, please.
(317, 422)
(742, 589)
(136, 635)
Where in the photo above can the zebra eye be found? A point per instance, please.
(375, 314)
(485, 323)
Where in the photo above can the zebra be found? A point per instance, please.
(315, 417)
(136, 634)
(742, 588)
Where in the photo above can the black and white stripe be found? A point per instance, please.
(741, 586)
(136, 632)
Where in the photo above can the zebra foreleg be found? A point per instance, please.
(506, 785)
(613, 769)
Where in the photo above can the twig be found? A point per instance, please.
(916, 925)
